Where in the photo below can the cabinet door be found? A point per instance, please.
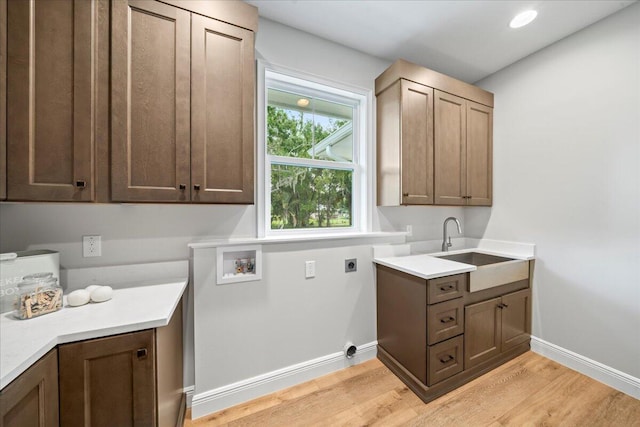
(108, 381)
(3, 99)
(222, 110)
(450, 148)
(417, 144)
(150, 85)
(482, 332)
(32, 398)
(50, 98)
(479, 154)
(516, 318)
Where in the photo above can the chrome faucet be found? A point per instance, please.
(446, 240)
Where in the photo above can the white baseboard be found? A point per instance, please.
(596, 370)
(190, 392)
(232, 394)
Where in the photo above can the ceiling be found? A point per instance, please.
(465, 39)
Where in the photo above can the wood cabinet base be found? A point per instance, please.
(427, 394)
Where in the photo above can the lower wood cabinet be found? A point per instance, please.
(435, 335)
(32, 398)
(108, 381)
(132, 379)
(496, 325)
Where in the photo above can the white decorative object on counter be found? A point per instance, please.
(238, 264)
(78, 298)
(91, 288)
(101, 294)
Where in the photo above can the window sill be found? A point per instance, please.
(393, 235)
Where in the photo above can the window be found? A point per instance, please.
(313, 152)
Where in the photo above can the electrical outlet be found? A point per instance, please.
(91, 246)
(409, 230)
(350, 265)
(309, 269)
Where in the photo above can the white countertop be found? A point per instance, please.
(427, 266)
(424, 266)
(23, 342)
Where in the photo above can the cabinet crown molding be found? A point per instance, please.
(402, 69)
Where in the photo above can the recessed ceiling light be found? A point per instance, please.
(302, 102)
(523, 18)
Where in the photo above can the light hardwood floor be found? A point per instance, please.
(527, 391)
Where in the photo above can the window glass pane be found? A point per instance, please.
(309, 128)
(305, 197)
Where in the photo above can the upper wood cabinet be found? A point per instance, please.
(150, 111)
(479, 154)
(3, 99)
(463, 151)
(405, 160)
(127, 101)
(434, 139)
(50, 98)
(222, 105)
(450, 159)
(182, 106)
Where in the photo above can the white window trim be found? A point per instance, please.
(363, 154)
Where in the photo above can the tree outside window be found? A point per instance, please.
(310, 152)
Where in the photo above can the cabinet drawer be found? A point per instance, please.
(446, 288)
(445, 320)
(444, 360)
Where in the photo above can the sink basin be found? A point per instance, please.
(492, 270)
(475, 258)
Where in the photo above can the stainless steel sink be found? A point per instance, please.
(475, 258)
(492, 270)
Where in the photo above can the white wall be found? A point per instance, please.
(566, 177)
(251, 329)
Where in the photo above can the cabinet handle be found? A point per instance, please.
(446, 359)
(182, 186)
(446, 288)
(501, 306)
(141, 353)
(504, 305)
(81, 183)
(196, 187)
(405, 194)
(447, 319)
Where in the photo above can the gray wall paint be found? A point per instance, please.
(131, 234)
(247, 329)
(566, 176)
